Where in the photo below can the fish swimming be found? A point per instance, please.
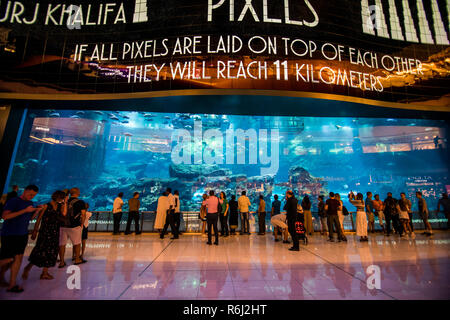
(127, 134)
(54, 114)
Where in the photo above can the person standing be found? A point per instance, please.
(16, 216)
(13, 193)
(224, 216)
(177, 211)
(340, 213)
(117, 213)
(84, 234)
(423, 213)
(361, 217)
(379, 207)
(72, 228)
(262, 216)
(390, 208)
(212, 216)
(161, 212)
(233, 205)
(46, 249)
(202, 215)
(243, 207)
(292, 218)
(170, 217)
(370, 213)
(306, 205)
(332, 207)
(445, 203)
(133, 214)
(403, 207)
(322, 215)
(276, 210)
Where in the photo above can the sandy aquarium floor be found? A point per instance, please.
(249, 267)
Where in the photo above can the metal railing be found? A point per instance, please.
(102, 221)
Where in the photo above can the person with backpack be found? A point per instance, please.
(213, 207)
(72, 227)
(306, 205)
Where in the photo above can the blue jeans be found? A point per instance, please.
(245, 224)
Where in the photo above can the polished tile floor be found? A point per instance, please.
(249, 267)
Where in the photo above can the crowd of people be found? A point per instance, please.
(66, 217)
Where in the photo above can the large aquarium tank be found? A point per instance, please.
(107, 152)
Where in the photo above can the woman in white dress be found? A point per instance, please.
(340, 213)
(361, 217)
(161, 212)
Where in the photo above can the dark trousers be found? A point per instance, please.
(211, 219)
(410, 221)
(262, 222)
(224, 225)
(334, 220)
(133, 216)
(177, 221)
(394, 218)
(117, 217)
(398, 226)
(388, 218)
(170, 220)
(245, 223)
(293, 233)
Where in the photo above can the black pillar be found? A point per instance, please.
(10, 126)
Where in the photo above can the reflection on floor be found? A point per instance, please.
(249, 267)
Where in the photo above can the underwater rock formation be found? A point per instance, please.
(189, 172)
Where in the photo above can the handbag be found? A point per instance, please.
(345, 211)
